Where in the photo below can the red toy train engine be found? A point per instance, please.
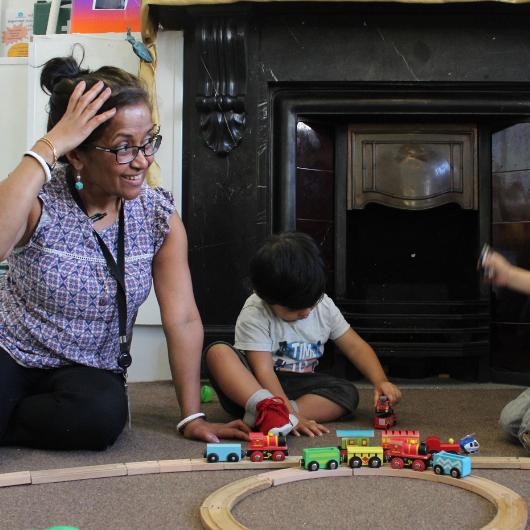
(267, 447)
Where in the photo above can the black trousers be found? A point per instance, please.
(76, 407)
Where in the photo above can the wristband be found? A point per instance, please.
(42, 162)
(188, 419)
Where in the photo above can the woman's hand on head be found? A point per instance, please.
(81, 117)
(212, 432)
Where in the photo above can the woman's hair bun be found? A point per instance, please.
(57, 69)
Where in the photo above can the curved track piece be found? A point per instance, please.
(512, 511)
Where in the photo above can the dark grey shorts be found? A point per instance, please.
(295, 385)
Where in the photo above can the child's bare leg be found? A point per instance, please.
(319, 408)
(235, 380)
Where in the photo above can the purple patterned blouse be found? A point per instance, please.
(58, 299)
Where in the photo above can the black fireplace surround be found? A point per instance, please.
(254, 71)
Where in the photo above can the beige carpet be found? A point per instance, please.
(172, 500)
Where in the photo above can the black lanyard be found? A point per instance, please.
(117, 269)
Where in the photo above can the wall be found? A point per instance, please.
(13, 109)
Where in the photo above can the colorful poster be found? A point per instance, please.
(104, 16)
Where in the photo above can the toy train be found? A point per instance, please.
(261, 447)
(385, 416)
(399, 448)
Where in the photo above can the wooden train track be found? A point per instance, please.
(215, 512)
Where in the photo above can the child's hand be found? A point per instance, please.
(309, 427)
(388, 389)
(496, 268)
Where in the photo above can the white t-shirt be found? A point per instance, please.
(295, 346)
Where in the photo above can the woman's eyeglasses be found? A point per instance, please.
(126, 154)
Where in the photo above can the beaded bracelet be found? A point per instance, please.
(188, 419)
(49, 143)
(45, 166)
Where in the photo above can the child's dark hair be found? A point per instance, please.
(288, 270)
(60, 76)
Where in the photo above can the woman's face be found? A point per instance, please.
(101, 173)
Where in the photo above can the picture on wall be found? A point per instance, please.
(104, 16)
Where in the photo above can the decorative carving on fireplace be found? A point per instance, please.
(412, 167)
(222, 82)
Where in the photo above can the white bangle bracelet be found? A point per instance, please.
(188, 419)
(42, 162)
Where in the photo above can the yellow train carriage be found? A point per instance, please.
(358, 456)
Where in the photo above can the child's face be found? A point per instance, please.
(290, 315)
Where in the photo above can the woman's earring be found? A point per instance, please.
(78, 183)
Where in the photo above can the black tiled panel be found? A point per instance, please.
(511, 347)
(322, 232)
(513, 241)
(511, 196)
(314, 194)
(510, 148)
(314, 146)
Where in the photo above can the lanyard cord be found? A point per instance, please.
(117, 269)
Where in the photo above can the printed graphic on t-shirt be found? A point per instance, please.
(298, 356)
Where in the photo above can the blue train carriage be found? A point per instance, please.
(313, 458)
(223, 452)
(457, 466)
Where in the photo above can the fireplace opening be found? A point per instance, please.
(404, 255)
(401, 252)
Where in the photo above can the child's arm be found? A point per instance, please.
(263, 369)
(362, 355)
(500, 272)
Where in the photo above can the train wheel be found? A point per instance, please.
(232, 457)
(455, 473)
(418, 465)
(439, 470)
(277, 456)
(397, 463)
(313, 466)
(256, 456)
(355, 462)
(374, 462)
(212, 458)
(333, 464)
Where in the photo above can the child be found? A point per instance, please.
(268, 375)
(515, 417)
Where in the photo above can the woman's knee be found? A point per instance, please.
(99, 420)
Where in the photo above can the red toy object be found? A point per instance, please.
(385, 416)
(267, 447)
(402, 449)
(433, 444)
(400, 460)
(401, 441)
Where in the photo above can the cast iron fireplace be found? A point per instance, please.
(405, 208)
(255, 71)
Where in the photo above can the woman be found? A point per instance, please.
(82, 248)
